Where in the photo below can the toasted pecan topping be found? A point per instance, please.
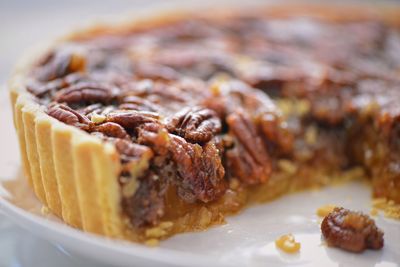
(111, 129)
(68, 115)
(61, 63)
(200, 171)
(195, 124)
(86, 92)
(131, 119)
(248, 160)
(137, 103)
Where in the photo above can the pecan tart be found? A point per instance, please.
(165, 125)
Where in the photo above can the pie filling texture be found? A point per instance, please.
(210, 114)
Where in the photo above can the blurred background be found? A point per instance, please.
(24, 23)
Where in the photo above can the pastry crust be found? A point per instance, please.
(71, 172)
(76, 174)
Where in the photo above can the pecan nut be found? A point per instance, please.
(87, 92)
(131, 119)
(137, 103)
(156, 72)
(40, 89)
(111, 129)
(199, 170)
(248, 160)
(69, 116)
(352, 231)
(92, 109)
(197, 125)
(60, 63)
(155, 136)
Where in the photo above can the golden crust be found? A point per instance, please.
(28, 119)
(65, 175)
(106, 168)
(45, 151)
(75, 174)
(21, 136)
(86, 184)
(71, 172)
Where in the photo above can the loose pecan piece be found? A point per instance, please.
(200, 171)
(248, 160)
(197, 124)
(69, 116)
(352, 231)
(87, 92)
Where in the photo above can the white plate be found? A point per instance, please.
(246, 240)
(20, 248)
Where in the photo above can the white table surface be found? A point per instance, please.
(19, 248)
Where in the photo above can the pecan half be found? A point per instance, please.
(155, 136)
(60, 63)
(352, 231)
(197, 124)
(156, 72)
(248, 160)
(111, 129)
(40, 89)
(69, 116)
(156, 92)
(137, 103)
(87, 92)
(200, 171)
(94, 108)
(131, 119)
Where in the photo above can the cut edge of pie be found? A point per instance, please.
(75, 174)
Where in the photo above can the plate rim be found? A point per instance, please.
(56, 231)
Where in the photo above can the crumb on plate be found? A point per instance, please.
(288, 244)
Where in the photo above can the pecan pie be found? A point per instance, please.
(160, 126)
